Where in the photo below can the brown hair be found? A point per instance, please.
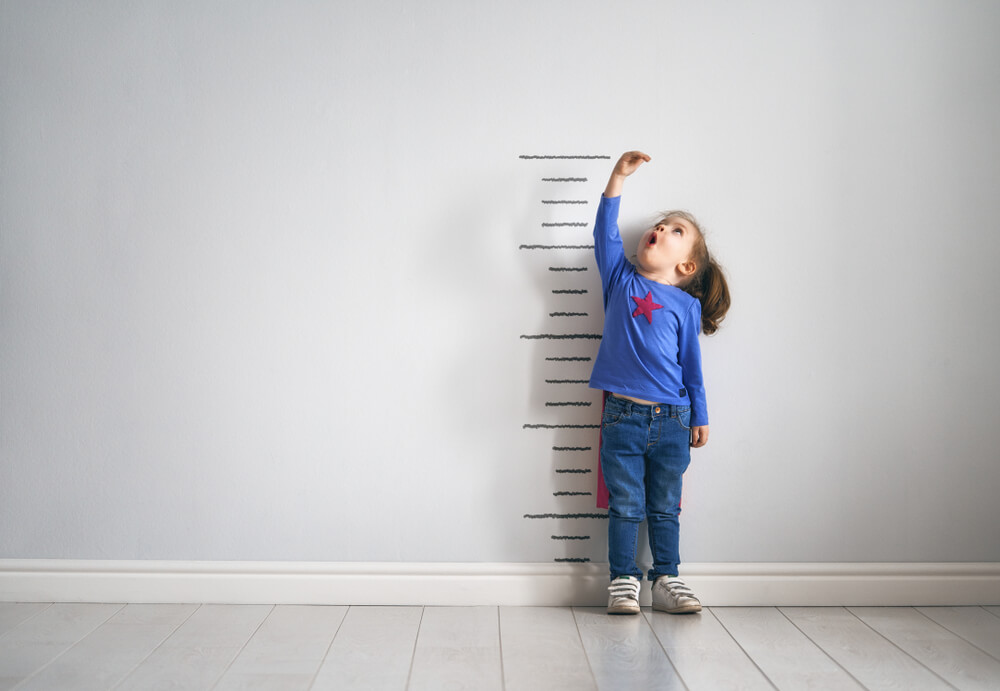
(708, 283)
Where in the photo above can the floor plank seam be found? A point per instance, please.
(956, 634)
(329, 647)
(503, 671)
(821, 648)
(141, 662)
(243, 647)
(586, 655)
(69, 648)
(744, 651)
(646, 614)
(897, 647)
(413, 654)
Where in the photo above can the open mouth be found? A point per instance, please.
(652, 240)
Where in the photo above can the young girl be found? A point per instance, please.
(649, 363)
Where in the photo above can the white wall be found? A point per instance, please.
(262, 296)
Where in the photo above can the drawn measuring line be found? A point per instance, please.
(567, 381)
(571, 448)
(567, 268)
(572, 494)
(540, 426)
(560, 336)
(549, 157)
(568, 314)
(565, 201)
(574, 291)
(574, 224)
(568, 359)
(570, 537)
(564, 179)
(557, 404)
(566, 515)
(575, 560)
(574, 471)
(555, 247)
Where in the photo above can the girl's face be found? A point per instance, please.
(666, 248)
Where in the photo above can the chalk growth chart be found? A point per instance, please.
(560, 252)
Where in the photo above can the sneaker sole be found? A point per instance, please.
(686, 609)
(623, 609)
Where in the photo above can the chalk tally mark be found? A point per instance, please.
(560, 337)
(536, 516)
(529, 425)
(550, 157)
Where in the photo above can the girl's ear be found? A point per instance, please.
(687, 268)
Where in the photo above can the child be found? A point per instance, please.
(649, 365)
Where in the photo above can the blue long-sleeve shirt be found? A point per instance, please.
(650, 348)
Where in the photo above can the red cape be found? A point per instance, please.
(602, 489)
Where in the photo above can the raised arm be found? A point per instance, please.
(627, 164)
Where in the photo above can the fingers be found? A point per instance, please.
(699, 436)
(636, 157)
(630, 161)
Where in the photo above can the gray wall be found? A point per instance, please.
(263, 292)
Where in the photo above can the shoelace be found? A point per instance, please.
(622, 587)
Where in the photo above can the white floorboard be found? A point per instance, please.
(286, 651)
(36, 642)
(782, 652)
(624, 652)
(954, 659)
(108, 654)
(372, 651)
(13, 613)
(974, 624)
(706, 657)
(457, 648)
(197, 654)
(864, 654)
(542, 649)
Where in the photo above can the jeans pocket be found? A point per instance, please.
(611, 418)
(684, 417)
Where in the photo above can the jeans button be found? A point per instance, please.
(657, 410)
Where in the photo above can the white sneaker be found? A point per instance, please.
(671, 595)
(623, 595)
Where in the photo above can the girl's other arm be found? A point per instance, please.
(699, 436)
(627, 164)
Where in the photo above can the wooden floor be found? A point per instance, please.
(286, 647)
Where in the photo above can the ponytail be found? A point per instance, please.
(709, 286)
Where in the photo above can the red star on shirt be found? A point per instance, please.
(645, 306)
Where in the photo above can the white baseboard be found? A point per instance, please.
(523, 584)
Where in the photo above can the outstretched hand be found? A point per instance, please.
(627, 164)
(630, 162)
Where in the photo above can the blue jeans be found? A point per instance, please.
(645, 450)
